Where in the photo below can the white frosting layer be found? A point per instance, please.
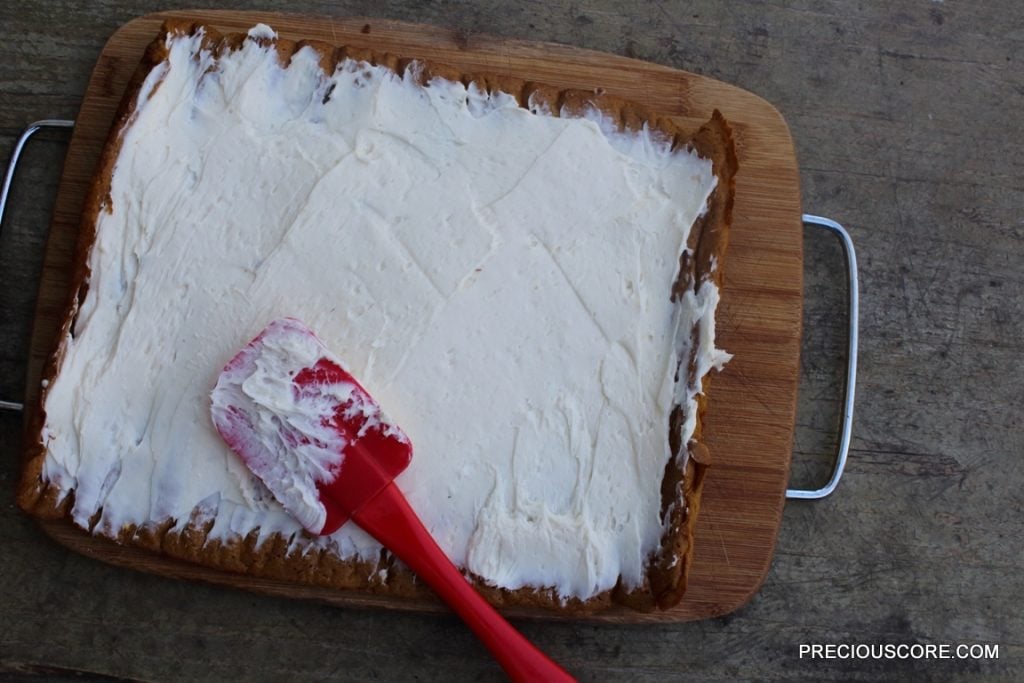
(497, 279)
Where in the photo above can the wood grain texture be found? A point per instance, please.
(750, 437)
(905, 116)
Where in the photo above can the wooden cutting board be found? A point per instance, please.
(750, 424)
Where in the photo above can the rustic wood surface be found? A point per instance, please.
(906, 118)
(750, 439)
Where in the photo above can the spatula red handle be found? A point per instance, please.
(388, 518)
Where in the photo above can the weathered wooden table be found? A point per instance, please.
(907, 121)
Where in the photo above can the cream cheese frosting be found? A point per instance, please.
(497, 278)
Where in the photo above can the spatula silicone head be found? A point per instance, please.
(306, 427)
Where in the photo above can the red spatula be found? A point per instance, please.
(287, 406)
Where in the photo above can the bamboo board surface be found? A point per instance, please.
(749, 429)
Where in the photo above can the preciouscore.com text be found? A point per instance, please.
(899, 651)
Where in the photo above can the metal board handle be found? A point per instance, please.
(5, 191)
(851, 362)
